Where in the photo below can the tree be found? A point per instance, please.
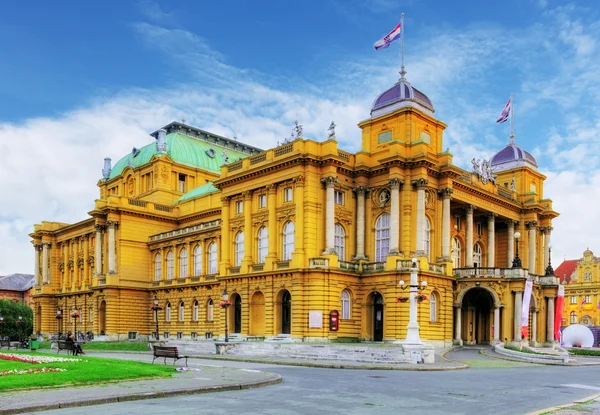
(11, 326)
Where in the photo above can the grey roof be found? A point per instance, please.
(16, 282)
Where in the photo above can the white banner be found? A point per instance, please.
(526, 300)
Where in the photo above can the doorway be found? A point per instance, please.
(378, 317)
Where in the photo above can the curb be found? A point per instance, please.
(570, 405)
(145, 395)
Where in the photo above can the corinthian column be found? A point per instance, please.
(98, 254)
(248, 231)
(36, 268)
(469, 247)
(395, 184)
(446, 195)
(532, 246)
(491, 240)
(517, 315)
(420, 185)
(272, 206)
(45, 258)
(329, 214)
(511, 242)
(298, 254)
(112, 258)
(360, 222)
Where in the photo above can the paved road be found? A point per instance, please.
(490, 386)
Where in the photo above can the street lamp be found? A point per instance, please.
(75, 316)
(155, 308)
(58, 320)
(225, 304)
(517, 261)
(18, 323)
(412, 333)
(549, 269)
(1, 324)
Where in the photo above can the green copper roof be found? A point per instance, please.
(198, 191)
(181, 149)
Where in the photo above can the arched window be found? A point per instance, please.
(181, 311)
(168, 312)
(198, 260)
(346, 305)
(382, 237)
(170, 265)
(455, 253)
(427, 238)
(239, 248)
(288, 240)
(195, 311)
(212, 258)
(433, 307)
(340, 242)
(263, 244)
(477, 255)
(573, 319)
(210, 315)
(183, 263)
(158, 267)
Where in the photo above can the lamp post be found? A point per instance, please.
(517, 261)
(1, 324)
(155, 308)
(58, 320)
(412, 333)
(549, 269)
(225, 304)
(75, 316)
(18, 323)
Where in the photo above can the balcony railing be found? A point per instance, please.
(373, 266)
(491, 272)
(403, 264)
(318, 263)
(349, 266)
(437, 268)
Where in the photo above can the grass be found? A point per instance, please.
(523, 350)
(584, 352)
(90, 370)
(115, 346)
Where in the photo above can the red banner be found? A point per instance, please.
(560, 303)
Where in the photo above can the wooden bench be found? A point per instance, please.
(64, 345)
(168, 352)
(5, 343)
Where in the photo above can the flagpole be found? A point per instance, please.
(512, 121)
(402, 71)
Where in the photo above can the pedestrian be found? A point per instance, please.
(76, 347)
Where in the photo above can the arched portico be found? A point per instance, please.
(477, 315)
(374, 316)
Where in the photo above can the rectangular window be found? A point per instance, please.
(457, 223)
(181, 183)
(573, 299)
(338, 197)
(262, 201)
(479, 229)
(425, 137)
(287, 194)
(194, 335)
(588, 299)
(384, 137)
(166, 335)
(132, 335)
(179, 335)
(239, 207)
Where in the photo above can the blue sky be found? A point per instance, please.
(85, 80)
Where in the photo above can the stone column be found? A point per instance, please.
(225, 245)
(78, 271)
(420, 185)
(446, 195)
(272, 206)
(36, 268)
(395, 185)
(98, 254)
(330, 182)
(511, 242)
(469, 243)
(45, 262)
(248, 231)
(491, 262)
(65, 276)
(534, 327)
(517, 313)
(550, 323)
(547, 244)
(112, 255)
(360, 222)
(532, 246)
(497, 323)
(458, 323)
(86, 257)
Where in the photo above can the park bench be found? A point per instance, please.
(5, 343)
(168, 352)
(64, 345)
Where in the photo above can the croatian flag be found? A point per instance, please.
(389, 38)
(505, 113)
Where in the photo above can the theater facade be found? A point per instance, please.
(302, 232)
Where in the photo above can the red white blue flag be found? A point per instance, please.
(505, 113)
(385, 41)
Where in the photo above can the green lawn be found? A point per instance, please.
(126, 346)
(90, 370)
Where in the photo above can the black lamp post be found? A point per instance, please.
(155, 307)
(18, 322)
(549, 269)
(58, 320)
(1, 324)
(225, 304)
(517, 261)
(75, 316)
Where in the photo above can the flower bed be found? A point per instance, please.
(36, 359)
(30, 371)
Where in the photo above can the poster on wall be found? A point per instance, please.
(315, 319)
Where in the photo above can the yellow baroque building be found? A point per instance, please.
(301, 231)
(581, 279)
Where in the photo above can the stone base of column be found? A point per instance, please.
(457, 342)
(329, 251)
(112, 272)
(551, 345)
(419, 353)
(360, 258)
(394, 252)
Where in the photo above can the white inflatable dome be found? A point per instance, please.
(577, 335)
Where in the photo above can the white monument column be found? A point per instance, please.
(532, 246)
(491, 262)
(395, 184)
(550, 324)
(360, 222)
(36, 268)
(497, 323)
(446, 195)
(469, 247)
(517, 312)
(420, 185)
(458, 322)
(329, 214)
(511, 242)
(45, 258)
(98, 254)
(112, 256)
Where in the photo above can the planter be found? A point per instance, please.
(403, 299)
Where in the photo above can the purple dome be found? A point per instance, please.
(512, 156)
(401, 92)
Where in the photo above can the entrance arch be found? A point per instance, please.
(102, 317)
(235, 317)
(477, 316)
(373, 317)
(257, 314)
(284, 312)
